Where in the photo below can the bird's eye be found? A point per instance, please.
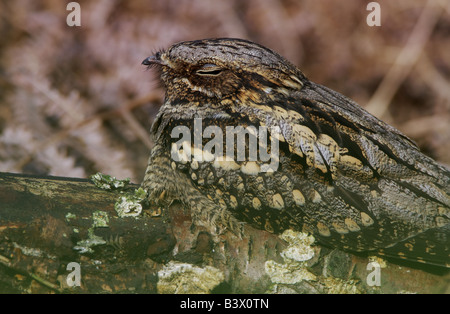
(209, 70)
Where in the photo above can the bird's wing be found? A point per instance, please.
(376, 188)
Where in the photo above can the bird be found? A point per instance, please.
(334, 170)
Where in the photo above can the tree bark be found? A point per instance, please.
(55, 230)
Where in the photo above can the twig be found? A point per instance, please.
(406, 59)
(137, 128)
(45, 283)
(61, 135)
(431, 77)
(6, 262)
(422, 126)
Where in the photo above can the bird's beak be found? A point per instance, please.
(153, 60)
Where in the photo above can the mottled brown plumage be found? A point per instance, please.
(350, 179)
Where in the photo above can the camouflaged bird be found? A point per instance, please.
(351, 180)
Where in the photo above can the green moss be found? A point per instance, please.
(130, 204)
(186, 278)
(107, 182)
(100, 219)
(70, 216)
(85, 246)
(293, 269)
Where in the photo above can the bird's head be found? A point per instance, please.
(211, 70)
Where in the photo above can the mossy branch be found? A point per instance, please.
(48, 222)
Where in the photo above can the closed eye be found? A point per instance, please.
(209, 70)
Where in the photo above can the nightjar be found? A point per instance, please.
(244, 136)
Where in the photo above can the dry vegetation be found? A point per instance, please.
(76, 100)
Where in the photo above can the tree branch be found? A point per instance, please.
(48, 222)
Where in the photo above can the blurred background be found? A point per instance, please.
(76, 100)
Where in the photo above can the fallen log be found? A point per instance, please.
(64, 235)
